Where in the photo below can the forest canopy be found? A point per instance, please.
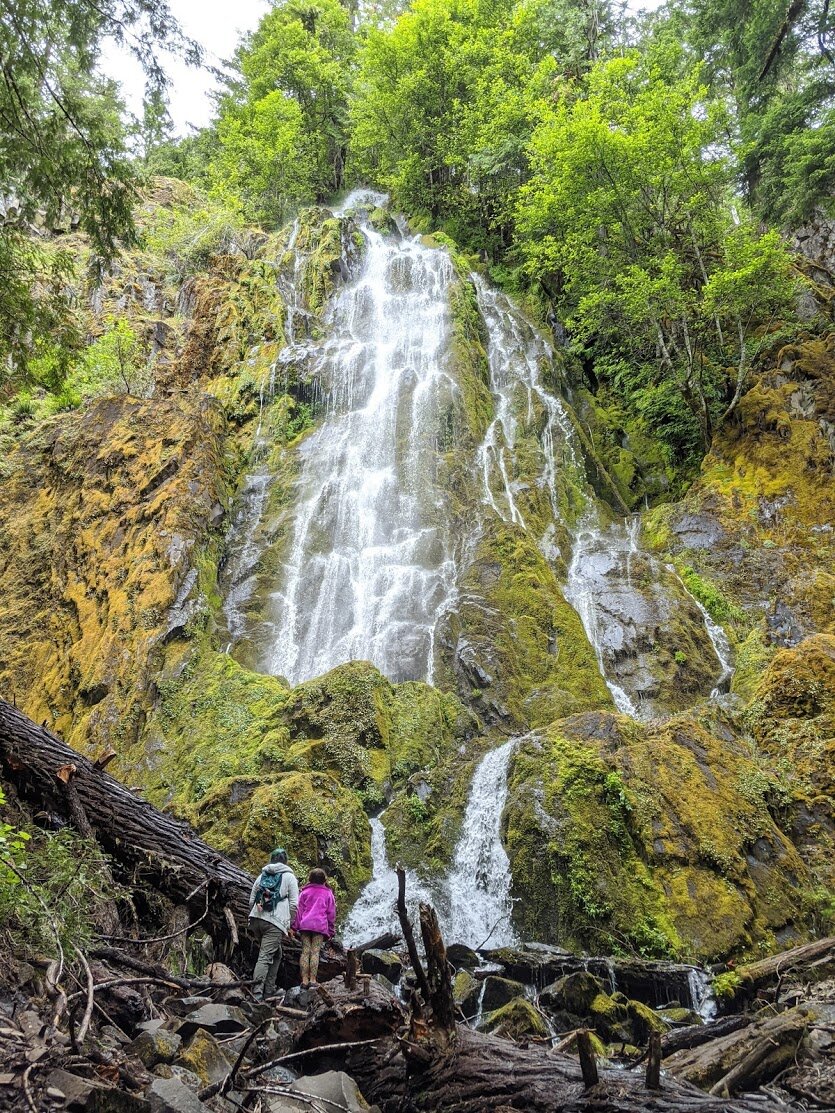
(635, 177)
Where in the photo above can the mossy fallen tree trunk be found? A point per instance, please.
(156, 848)
(810, 963)
(367, 1036)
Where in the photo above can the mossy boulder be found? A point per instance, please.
(499, 991)
(522, 653)
(573, 993)
(206, 1058)
(643, 827)
(466, 992)
(321, 822)
(610, 1018)
(517, 1020)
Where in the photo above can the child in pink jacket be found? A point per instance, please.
(315, 918)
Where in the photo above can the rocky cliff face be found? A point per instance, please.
(144, 576)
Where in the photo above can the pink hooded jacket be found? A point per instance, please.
(316, 910)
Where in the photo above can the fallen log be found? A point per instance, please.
(476, 1072)
(155, 847)
(682, 1039)
(149, 847)
(746, 1058)
(810, 962)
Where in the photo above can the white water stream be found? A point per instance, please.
(473, 903)
(370, 568)
(375, 909)
(478, 887)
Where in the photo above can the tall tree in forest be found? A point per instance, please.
(62, 145)
(628, 223)
(775, 60)
(283, 123)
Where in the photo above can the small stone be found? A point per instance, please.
(182, 1006)
(223, 1020)
(334, 1089)
(54, 1092)
(151, 1048)
(149, 1026)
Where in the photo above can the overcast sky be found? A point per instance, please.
(217, 26)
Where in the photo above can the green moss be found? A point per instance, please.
(623, 834)
(218, 720)
(751, 657)
(321, 822)
(532, 644)
(515, 1020)
(719, 608)
(726, 986)
(321, 242)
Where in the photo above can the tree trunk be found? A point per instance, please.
(476, 1073)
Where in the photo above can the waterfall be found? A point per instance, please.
(473, 904)
(480, 907)
(515, 355)
(374, 911)
(595, 556)
(370, 568)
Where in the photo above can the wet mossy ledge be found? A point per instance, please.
(252, 762)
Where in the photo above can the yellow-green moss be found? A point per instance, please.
(636, 830)
(533, 646)
(515, 1020)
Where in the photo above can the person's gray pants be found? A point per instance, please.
(269, 956)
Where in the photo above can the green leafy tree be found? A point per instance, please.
(156, 126)
(775, 62)
(62, 143)
(628, 223)
(283, 123)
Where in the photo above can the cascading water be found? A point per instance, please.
(370, 569)
(480, 906)
(595, 555)
(474, 904)
(620, 617)
(515, 355)
(374, 911)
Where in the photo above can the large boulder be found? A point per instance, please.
(572, 994)
(499, 991)
(333, 1089)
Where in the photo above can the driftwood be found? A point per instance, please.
(811, 961)
(408, 934)
(694, 1035)
(437, 972)
(477, 1072)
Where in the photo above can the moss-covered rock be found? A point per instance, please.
(572, 993)
(521, 649)
(112, 533)
(643, 828)
(516, 1020)
(321, 822)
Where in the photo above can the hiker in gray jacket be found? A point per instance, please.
(272, 906)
